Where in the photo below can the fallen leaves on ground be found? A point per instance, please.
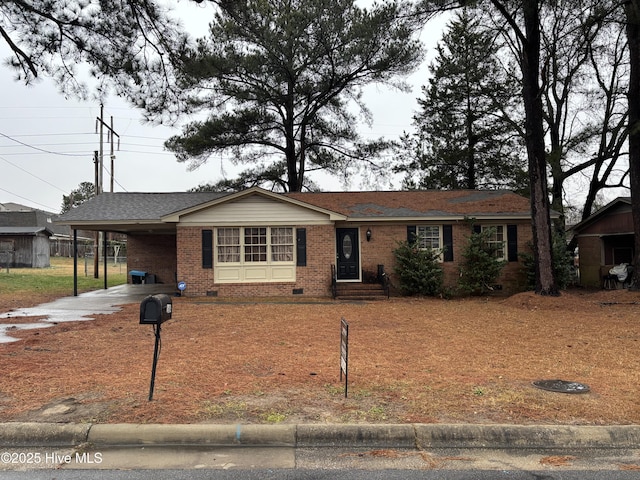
(410, 360)
(558, 460)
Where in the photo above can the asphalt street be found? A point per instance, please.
(297, 474)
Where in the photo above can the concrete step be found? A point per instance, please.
(360, 291)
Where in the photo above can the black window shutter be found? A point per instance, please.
(412, 233)
(512, 243)
(301, 247)
(207, 248)
(477, 228)
(447, 242)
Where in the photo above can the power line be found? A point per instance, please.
(49, 208)
(33, 175)
(55, 144)
(114, 179)
(79, 154)
(42, 150)
(51, 134)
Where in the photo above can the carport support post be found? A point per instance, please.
(75, 262)
(104, 249)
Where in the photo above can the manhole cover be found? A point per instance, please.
(561, 386)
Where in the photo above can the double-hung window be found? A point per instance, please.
(254, 254)
(429, 237)
(228, 245)
(254, 244)
(497, 240)
(282, 244)
(435, 237)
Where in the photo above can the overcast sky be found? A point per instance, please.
(47, 142)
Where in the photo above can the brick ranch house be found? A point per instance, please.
(260, 243)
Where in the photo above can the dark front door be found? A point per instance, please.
(347, 245)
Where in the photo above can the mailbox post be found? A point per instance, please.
(155, 310)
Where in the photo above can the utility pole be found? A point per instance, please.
(101, 170)
(111, 154)
(96, 243)
(100, 126)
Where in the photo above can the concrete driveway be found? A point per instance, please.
(80, 308)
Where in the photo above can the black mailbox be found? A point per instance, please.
(155, 309)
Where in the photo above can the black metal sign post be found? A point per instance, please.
(156, 352)
(344, 354)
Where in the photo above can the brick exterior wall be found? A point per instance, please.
(314, 279)
(384, 239)
(166, 255)
(154, 254)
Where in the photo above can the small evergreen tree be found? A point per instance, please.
(480, 268)
(419, 269)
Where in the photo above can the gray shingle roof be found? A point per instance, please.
(420, 203)
(136, 206)
(131, 211)
(31, 218)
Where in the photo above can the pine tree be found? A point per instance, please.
(279, 81)
(467, 135)
(129, 45)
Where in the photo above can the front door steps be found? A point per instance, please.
(360, 291)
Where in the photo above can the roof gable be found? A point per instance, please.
(620, 205)
(275, 198)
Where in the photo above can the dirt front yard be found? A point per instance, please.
(410, 360)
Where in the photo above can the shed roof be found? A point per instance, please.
(598, 214)
(24, 230)
(31, 218)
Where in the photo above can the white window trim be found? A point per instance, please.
(504, 236)
(440, 249)
(254, 271)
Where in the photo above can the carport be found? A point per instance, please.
(142, 217)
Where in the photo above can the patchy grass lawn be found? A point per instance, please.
(27, 287)
(411, 360)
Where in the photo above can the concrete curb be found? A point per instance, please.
(372, 436)
(424, 436)
(227, 435)
(527, 436)
(43, 434)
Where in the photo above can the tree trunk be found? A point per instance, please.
(293, 183)
(540, 211)
(632, 11)
(471, 160)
